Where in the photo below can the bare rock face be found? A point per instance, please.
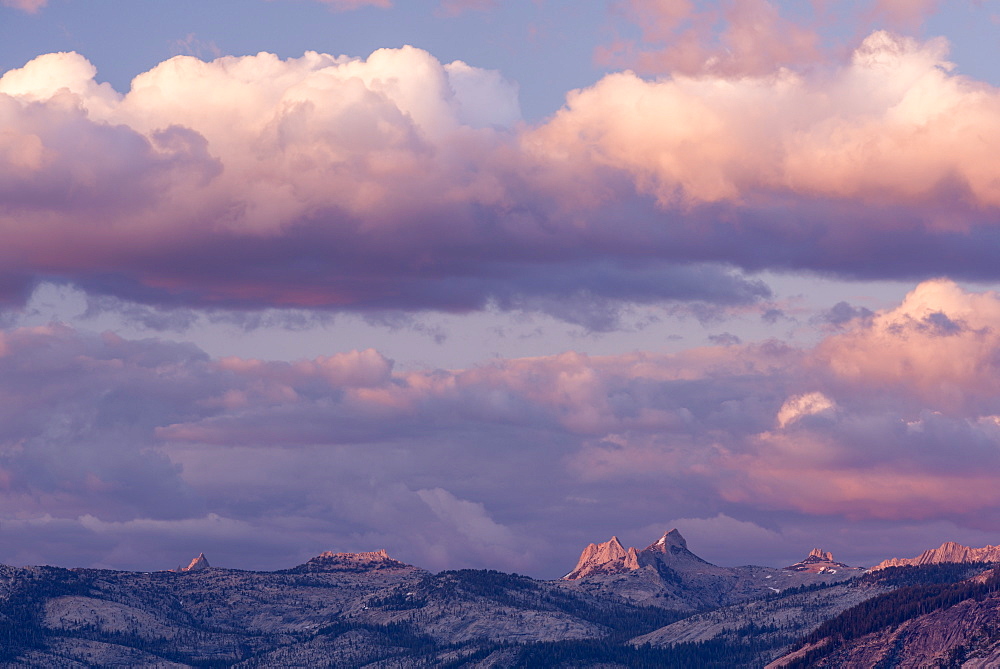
(669, 540)
(821, 555)
(609, 557)
(197, 564)
(821, 562)
(671, 551)
(948, 552)
(357, 562)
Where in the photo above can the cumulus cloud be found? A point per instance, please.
(398, 183)
(798, 406)
(392, 183)
(748, 139)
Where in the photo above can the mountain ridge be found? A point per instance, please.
(949, 551)
(659, 606)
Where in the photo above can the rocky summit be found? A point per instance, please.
(821, 562)
(200, 562)
(611, 557)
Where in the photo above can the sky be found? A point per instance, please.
(483, 282)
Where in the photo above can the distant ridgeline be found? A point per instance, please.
(662, 606)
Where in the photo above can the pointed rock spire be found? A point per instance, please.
(197, 564)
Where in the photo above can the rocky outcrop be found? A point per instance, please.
(366, 561)
(948, 552)
(821, 562)
(197, 564)
(609, 557)
(819, 554)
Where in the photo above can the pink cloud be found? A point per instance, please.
(30, 6)
(901, 349)
(904, 13)
(902, 129)
(746, 37)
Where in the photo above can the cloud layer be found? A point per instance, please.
(398, 182)
(112, 449)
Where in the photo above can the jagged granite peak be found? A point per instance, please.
(197, 564)
(949, 551)
(820, 562)
(609, 557)
(820, 554)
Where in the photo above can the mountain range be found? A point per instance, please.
(659, 606)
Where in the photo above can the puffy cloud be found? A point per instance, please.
(401, 183)
(901, 350)
(320, 182)
(892, 127)
(798, 406)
